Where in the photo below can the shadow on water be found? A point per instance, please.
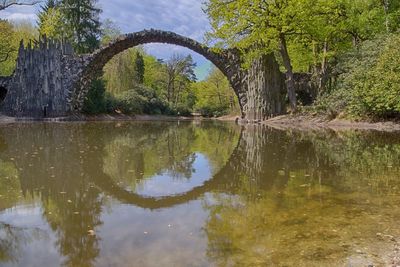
(272, 197)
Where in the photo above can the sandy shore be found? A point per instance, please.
(308, 122)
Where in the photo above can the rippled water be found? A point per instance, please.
(197, 194)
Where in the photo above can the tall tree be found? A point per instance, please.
(215, 95)
(11, 35)
(81, 19)
(50, 21)
(6, 40)
(180, 72)
(257, 27)
(139, 68)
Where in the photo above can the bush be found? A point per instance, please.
(213, 111)
(140, 100)
(369, 81)
(95, 102)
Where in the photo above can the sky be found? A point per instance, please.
(184, 17)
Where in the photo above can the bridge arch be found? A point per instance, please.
(228, 61)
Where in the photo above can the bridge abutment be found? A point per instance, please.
(264, 87)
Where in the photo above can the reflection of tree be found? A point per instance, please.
(51, 167)
(269, 182)
(10, 186)
(61, 164)
(304, 198)
(134, 156)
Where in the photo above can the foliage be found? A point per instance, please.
(140, 100)
(6, 44)
(139, 83)
(120, 72)
(369, 80)
(11, 35)
(306, 35)
(74, 20)
(179, 73)
(82, 25)
(214, 96)
(50, 21)
(95, 101)
(139, 68)
(257, 28)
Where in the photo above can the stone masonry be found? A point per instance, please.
(50, 81)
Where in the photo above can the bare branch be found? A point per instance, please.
(6, 56)
(8, 3)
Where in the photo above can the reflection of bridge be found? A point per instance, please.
(51, 81)
(66, 165)
(108, 185)
(45, 158)
(77, 155)
(247, 160)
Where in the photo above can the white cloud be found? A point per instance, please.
(20, 13)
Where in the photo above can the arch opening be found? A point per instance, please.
(228, 62)
(3, 93)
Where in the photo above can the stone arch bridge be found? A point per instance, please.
(51, 81)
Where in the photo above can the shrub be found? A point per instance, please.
(140, 100)
(95, 101)
(213, 111)
(369, 81)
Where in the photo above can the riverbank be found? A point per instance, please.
(315, 122)
(305, 122)
(104, 117)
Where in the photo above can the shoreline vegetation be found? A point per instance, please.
(298, 121)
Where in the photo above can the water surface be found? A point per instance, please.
(197, 194)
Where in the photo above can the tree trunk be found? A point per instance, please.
(386, 9)
(323, 76)
(289, 74)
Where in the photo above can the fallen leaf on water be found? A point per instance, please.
(91, 232)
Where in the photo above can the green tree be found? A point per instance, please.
(368, 81)
(139, 68)
(180, 73)
(215, 96)
(6, 40)
(81, 19)
(50, 21)
(120, 72)
(257, 27)
(11, 35)
(95, 102)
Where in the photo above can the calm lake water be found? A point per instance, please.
(197, 194)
